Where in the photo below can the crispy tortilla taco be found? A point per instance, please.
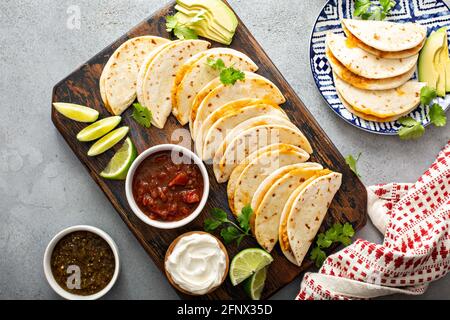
(160, 77)
(196, 73)
(365, 64)
(386, 39)
(384, 104)
(366, 83)
(304, 213)
(231, 186)
(260, 168)
(252, 87)
(267, 212)
(222, 121)
(253, 139)
(119, 77)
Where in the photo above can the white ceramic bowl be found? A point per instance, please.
(129, 187)
(48, 270)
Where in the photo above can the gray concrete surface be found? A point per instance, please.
(43, 187)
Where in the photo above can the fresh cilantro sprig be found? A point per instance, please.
(183, 30)
(232, 232)
(142, 115)
(413, 129)
(338, 233)
(437, 115)
(353, 162)
(369, 10)
(427, 94)
(228, 76)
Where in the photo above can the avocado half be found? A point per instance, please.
(434, 61)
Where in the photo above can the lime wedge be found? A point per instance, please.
(108, 141)
(247, 262)
(254, 285)
(98, 129)
(76, 112)
(119, 165)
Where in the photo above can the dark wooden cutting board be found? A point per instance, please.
(82, 87)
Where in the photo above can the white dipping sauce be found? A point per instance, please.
(197, 264)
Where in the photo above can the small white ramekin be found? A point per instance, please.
(48, 270)
(129, 187)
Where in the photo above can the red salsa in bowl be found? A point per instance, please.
(167, 190)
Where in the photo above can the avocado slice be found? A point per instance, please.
(207, 24)
(427, 69)
(440, 64)
(221, 13)
(447, 75)
(201, 28)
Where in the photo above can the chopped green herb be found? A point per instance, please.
(228, 76)
(353, 162)
(369, 10)
(218, 64)
(142, 115)
(183, 30)
(338, 233)
(233, 232)
(437, 115)
(411, 129)
(427, 94)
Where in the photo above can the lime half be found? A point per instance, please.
(98, 129)
(108, 141)
(247, 262)
(119, 165)
(76, 112)
(254, 285)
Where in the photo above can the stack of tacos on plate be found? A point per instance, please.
(372, 67)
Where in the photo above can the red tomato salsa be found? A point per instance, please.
(166, 190)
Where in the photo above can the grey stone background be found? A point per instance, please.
(44, 188)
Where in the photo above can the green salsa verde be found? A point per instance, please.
(83, 263)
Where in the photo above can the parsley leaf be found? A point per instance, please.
(232, 232)
(352, 163)
(427, 94)
(142, 115)
(368, 10)
(411, 129)
(437, 115)
(338, 233)
(228, 76)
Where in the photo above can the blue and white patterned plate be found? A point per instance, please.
(432, 13)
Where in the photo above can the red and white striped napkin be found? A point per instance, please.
(415, 220)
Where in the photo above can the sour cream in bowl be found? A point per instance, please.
(196, 263)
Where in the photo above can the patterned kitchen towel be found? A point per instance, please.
(415, 221)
